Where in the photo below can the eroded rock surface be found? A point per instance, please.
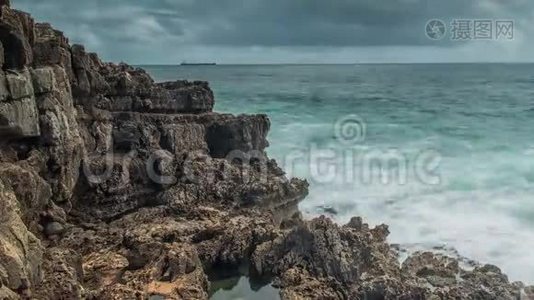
(113, 186)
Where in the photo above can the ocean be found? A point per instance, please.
(442, 153)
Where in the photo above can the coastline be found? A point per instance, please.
(117, 187)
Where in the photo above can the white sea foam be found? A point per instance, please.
(479, 225)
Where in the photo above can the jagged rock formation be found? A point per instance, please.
(113, 186)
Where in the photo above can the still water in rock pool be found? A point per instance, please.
(237, 288)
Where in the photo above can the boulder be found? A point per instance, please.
(429, 265)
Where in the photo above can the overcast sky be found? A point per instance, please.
(284, 31)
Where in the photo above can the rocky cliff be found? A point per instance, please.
(113, 186)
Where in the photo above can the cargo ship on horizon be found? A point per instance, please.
(198, 64)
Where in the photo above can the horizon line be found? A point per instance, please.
(341, 64)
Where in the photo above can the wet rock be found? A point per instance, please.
(327, 209)
(447, 280)
(304, 245)
(341, 262)
(357, 223)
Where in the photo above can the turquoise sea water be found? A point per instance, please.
(477, 121)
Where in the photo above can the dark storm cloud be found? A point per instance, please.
(318, 23)
(261, 22)
(123, 26)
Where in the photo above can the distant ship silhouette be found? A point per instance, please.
(197, 64)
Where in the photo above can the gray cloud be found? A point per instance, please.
(170, 29)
